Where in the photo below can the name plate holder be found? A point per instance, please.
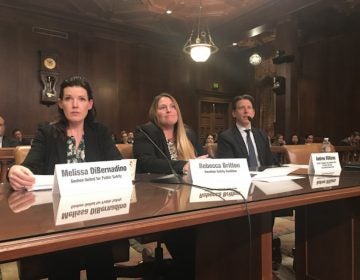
(92, 177)
(324, 163)
(219, 174)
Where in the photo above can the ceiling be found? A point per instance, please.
(247, 22)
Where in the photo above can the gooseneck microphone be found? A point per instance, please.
(172, 178)
(250, 118)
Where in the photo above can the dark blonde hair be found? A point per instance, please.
(185, 149)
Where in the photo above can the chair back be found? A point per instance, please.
(126, 150)
(300, 154)
(21, 153)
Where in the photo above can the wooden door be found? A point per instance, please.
(214, 116)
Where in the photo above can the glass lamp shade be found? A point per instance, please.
(200, 52)
(255, 59)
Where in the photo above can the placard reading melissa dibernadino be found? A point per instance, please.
(84, 207)
(90, 177)
(220, 173)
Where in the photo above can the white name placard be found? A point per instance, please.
(92, 177)
(84, 207)
(324, 163)
(220, 174)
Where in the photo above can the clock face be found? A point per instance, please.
(49, 63)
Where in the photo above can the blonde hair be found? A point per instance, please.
(184, 148)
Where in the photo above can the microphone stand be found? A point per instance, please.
(172, 178)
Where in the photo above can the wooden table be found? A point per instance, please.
(6, 156)
(223, 247)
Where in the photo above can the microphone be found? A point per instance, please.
(250, 119)
(172, 178)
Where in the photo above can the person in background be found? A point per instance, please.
(4, 140)
(309, 138)
(209, 139)
(352, 140)
(114, 138)
(17, 134)
(123, 137)
(215, 137)
(210, 146)
(278, 140)
(179, 143)
(245, 141)
(74, 138)
(130, 137)
(294, 139)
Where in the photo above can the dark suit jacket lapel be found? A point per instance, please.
(90, 141)
(240, 142)
(61, 150)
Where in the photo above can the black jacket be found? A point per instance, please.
(149, 159)
(48, 150)
(232, 145)
(8, 142)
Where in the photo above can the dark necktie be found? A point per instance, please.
(252, 156)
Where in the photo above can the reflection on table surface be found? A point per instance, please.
(27, 214)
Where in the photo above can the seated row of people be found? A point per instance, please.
(352, 140)
(125, 137)
(162, 145)
(17, 139)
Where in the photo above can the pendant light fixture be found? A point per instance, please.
(201, 47)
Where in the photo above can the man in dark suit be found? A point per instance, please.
(20, 141)
(233, 142)
(5, 141)
(245, 141)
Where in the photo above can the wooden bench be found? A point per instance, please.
(6, 158)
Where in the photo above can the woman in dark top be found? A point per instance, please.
(74, 138)
(166, 128)
(179, 143)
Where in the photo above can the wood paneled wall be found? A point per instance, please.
(324, 99)
(124, 76)
(322, 89)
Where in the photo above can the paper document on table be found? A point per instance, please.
(276, 174)
(297, 165)
(279, 178)
(270, 188)
(43, 182)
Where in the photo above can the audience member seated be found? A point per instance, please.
(73, 138)
(123, 137)
(352, 140)
(130, 137)
(309, 138)
(294, 140)
(209, 139)
(4, 140)
(179, 143)
(114, 138)
(210, 146)
(278, 140)
(17, 134)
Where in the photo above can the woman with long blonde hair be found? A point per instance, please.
(179, 144)
(167, 129)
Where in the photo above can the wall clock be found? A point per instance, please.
(49, 74)
(49, 63)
